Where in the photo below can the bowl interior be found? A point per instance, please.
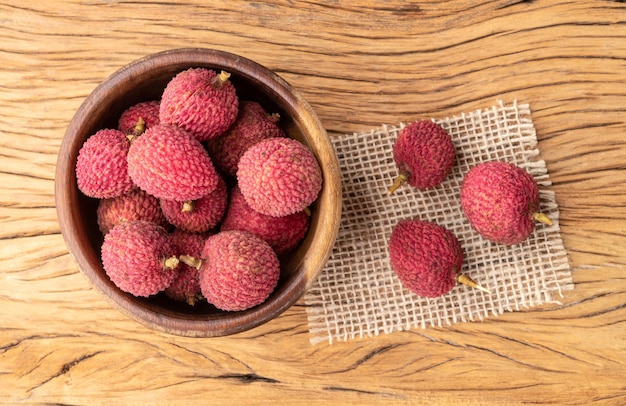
(145, 80)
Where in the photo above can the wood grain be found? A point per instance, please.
(359, 64)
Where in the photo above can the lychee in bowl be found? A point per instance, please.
(144, 80)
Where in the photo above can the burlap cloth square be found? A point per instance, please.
(358, 295)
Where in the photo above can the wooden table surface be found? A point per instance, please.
(359, 64)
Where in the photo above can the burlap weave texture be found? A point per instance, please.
(358, 295)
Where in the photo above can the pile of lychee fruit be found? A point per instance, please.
(499, 199)
(201, 194)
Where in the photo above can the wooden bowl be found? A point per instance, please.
(145, 80)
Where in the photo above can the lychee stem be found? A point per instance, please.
(221, 79)
(139, 129)
(467, 281)
(397, 182)
(188, 206)
(274, 117)
(192, 300)
(171, 263)
(191, 261)
(307, 211)
(224, 76)
(542, 218)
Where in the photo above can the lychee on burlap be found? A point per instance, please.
(358, 295)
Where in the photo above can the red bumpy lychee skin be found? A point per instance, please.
(186, 285)
(201, 101)
(198, 215)
(147, 111)
(139, 258)
(281, 233)
(424, 154)
(239, 270)
(501, 202)
(426, 257)
(101, 166)
(252, 125)
(133, 205)
(170, 164)
(279, 176)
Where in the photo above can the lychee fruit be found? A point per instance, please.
(139, 257)
(200, 215)
(501, 202)
(427, 258)
(424, 155)
(186, 285)
(147, 111)
(252, 125)
(239, 270)
(133, 205)
(169, 163)
(101, 166)
(279, 176)
(201, 101)
(281, 233)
